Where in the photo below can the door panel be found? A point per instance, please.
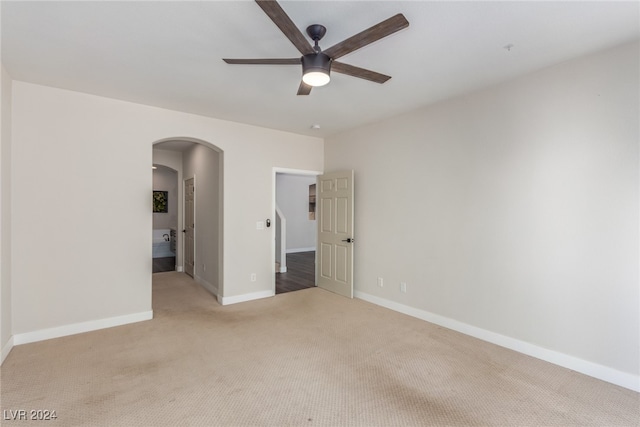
(326, 218)
(335, 232)
(342, 215)
(325, 261)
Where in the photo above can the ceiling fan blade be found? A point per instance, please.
(362, 73)
(267, 61)
(286, 25)
(304, 89)
(370, 35)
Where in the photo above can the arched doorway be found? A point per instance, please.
(165, 218)
(199, 163)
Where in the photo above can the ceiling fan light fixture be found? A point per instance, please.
(315, 69)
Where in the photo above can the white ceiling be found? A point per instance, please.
(168, 54)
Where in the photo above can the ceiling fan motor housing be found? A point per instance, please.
(316, 62)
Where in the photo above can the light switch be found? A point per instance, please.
(260, 225)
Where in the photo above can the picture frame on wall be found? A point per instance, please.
(160, 201)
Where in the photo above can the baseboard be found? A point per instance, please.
(78, 328)
(207, 285)
(245, 297)
(591, 369)
(282, 270)
(6, 349)
(296, 250)
(179, 268)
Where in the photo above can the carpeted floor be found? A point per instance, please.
(305, 358)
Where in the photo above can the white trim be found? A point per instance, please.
(283, 238)
(296, 250)
(78, 328)
(601, 372)
(205, 284)
(245, 297)
(6, 349)
(296, 171)
(179, 268)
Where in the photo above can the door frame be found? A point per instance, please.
(275, 171)
(184, 223)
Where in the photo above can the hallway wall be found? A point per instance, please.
(6, 310)
(205, 164)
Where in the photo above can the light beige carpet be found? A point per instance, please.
(306, 358)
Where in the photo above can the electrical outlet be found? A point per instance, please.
(380, 281)
(253, 277)
(204, 267)
(403, 287)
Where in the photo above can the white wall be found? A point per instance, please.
(5, 214)
(292, 197)
(512, 212)
(166, 179)
(203, 163)
(99, 151)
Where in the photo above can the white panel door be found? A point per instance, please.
(334, 202)
(189, 226)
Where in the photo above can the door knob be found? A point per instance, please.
(349, 240)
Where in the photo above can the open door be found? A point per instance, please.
(334, 202)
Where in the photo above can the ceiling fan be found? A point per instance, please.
(317, 63)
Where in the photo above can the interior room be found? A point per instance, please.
(296, 231)
(474, 225)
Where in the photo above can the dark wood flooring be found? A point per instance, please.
(301, 273)
(161, 265)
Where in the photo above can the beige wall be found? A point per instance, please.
(5, 214)
(513, 211)
(82, 179)
(204, 164)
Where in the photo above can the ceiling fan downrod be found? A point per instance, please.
(316, 32)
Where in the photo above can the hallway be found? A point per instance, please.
(301, 273)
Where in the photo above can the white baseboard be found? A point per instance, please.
(296, 250)
(78, 328)
(245, 297)
(179, 268)
(283, 270)
(6, 349)
(591, 369)
(208, 286)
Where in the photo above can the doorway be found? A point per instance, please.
(295, 231)
(165, 218)
(199, 166)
